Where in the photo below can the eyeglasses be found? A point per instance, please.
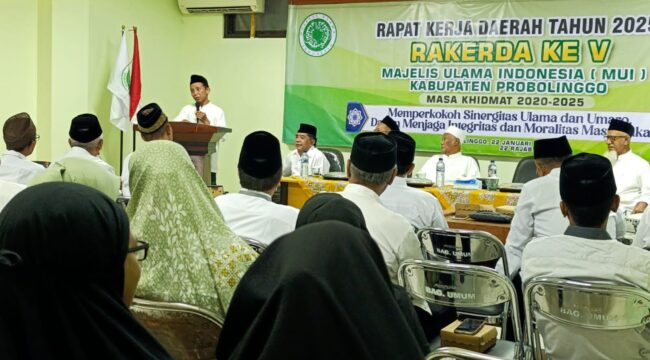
(37, 137)
(141, 250)
(614, 137)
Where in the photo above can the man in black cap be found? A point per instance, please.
(306, 144)
(202, 111)
(152, 125)
(420, 208)
(386, 125)
(538, 208)
(19, 134)
(370, 170)
(632, 172)
(250, 213)
(586, 251)
(86, 140)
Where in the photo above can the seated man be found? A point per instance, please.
(153, 125)
(420, 208)
(250, 213)
(585, 251)
(632, 172)
(86, 140)
(538, 208)
(371, 169)
(306, 143)
(386, 125)
(457, 165)
(19, 133)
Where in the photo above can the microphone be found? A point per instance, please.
(198, 106)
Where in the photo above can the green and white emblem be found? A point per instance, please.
(317, 35)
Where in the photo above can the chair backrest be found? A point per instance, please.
(458, 353)
(478, 165)
(259, 247)
(185, 331)
(335, 158)
(462, 246)
(525, 170)
(459, 285)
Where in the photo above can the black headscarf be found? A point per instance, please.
(64, 299)
(330, 206)
(321, 292)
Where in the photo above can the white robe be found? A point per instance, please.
(390, 230)
(456, 166)
(79, 152)
(8, 190)
(420, 208)
(316, 160)
(566, 256)
(632, 174)
(252, 215)
(537, 214)
(16, 168)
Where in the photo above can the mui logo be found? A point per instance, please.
(356, 117)
(317, 35)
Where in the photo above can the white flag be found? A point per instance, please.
(119, 85)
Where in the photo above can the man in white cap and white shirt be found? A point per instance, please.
(457, 165)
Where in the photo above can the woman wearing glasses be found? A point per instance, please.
(195, 259)
(67, 276)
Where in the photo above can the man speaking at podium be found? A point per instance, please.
(203, 112)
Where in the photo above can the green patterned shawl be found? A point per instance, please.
(194, 257)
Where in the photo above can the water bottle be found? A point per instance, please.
(492, 169)
(440, 173)
(304, 165)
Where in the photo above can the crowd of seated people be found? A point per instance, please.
(72, 259)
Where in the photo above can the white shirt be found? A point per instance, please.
(80, 152)
(215, 115)
(420, 208)
(390, 230)
(632, 174)
(642, 238)
(126, 192)
(566, 256)
(7, 191)
(316, 160)
(456, 166)
(15, 168)
(251, 214)
(537, 214)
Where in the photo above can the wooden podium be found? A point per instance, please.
(200, 141)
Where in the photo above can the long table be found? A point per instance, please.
(298, 190)
(295, 191)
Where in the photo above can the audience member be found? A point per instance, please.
(321, 292)
(386, 125)
(196, 258)
(457, 165)
(250, 213)
(153, 125)
(420, 208)
(538, 208)
(67, 271)
(306, 144)
(86, 140)
(19, 134)
(80, 171)
(585, 251)
(632, 172)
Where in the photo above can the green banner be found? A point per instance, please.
(507, 72)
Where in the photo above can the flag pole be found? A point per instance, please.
(135, 30)
(122, 132)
